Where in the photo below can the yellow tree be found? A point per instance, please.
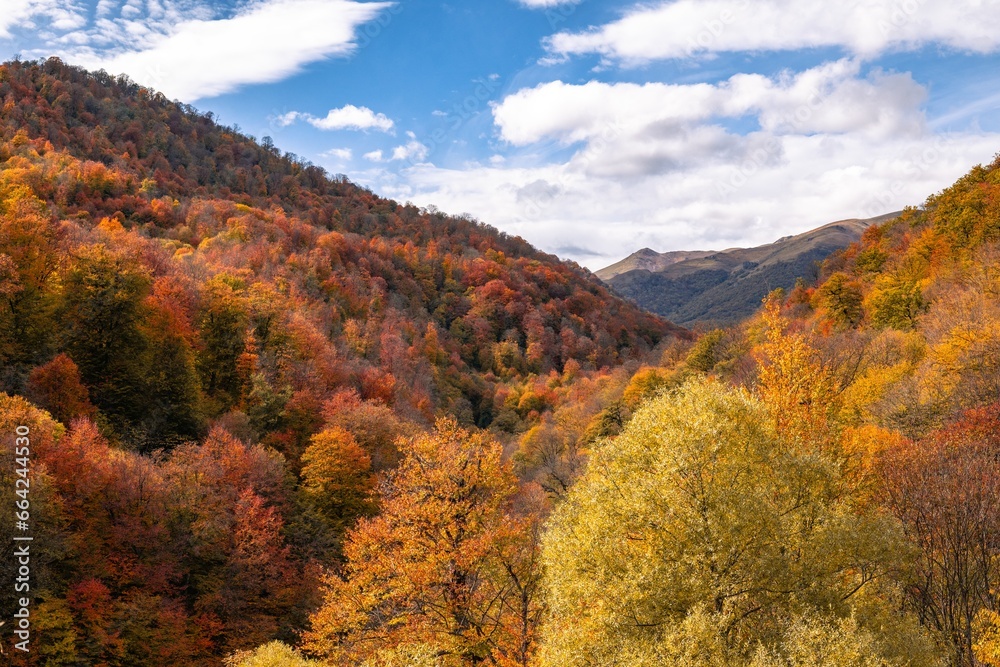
(337, 478)
(793, 382)
(699, 537)
(987, 644)
(443, 568)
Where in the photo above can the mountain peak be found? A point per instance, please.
(723, 286)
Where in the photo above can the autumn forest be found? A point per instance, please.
(277, 421)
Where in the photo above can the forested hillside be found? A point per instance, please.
(227, 344)
(275, 420)
(175, 220)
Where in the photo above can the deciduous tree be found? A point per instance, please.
(441, 565)
(699, 536)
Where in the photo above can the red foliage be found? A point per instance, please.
(57, 387)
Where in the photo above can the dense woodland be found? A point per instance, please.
(279, 421)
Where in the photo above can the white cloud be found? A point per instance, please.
(374, 156)
(191, 58)
(105, 7)
(339, 153)
(596, 218)
(684, 28)
(828, 99)
(412, 150)
(350, 117)
(286, 119)
(671, 167)
(56, 14)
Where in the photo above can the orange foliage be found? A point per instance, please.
(442, 563)
(57, 387)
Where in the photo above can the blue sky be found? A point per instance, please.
(591, 128)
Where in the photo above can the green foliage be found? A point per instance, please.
(968, 212)
(894, 303)
(102, 307)
(842, 299)
(264, 405)
(222, 323)
(706, 352)
(699, 536)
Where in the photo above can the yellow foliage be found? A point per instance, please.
(793, 382)
(698, 536)
(442, 565)
(274, 654)
(868, 389)
(987, 633)
(645, 384)
(861, 447)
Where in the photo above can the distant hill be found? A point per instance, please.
(722, 287)
(650, 260)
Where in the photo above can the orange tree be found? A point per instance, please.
(444, 567)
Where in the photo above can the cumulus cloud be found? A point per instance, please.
(412, 150)
(339, 153)
(286, 119)
(635, 129)
(683, 28)
(715, 204)
(54, 14)
(192, 54)
(348, 117)
(740, 162)
(374, 156)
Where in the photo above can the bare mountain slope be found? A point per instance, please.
(722, 287)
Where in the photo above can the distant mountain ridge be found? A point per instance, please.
(720, 287)
(650, 260)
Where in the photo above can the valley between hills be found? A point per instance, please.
(273, 419)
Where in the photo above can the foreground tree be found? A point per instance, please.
(700, 537)
(443, 570)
